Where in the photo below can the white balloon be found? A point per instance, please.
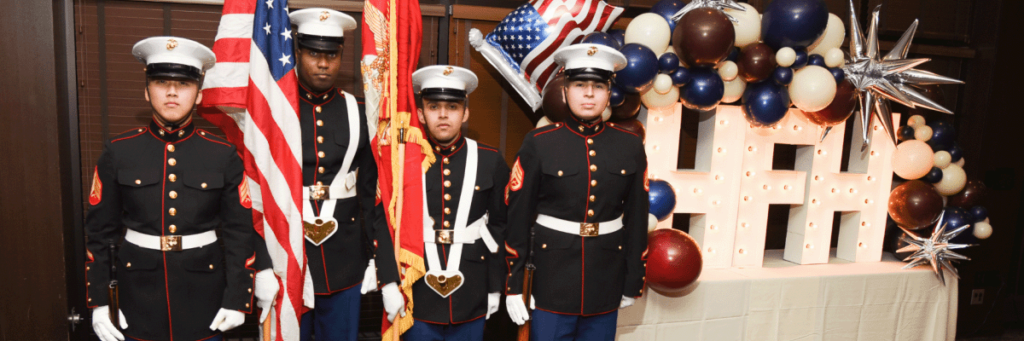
(652, 222)
(813, 88)
(953, 180)
(653, 100)
(728, 70)
(734, 90)
(960, 163)
(942, 159)
(785, 57)
(543, 121)
(923, 133)
(833, 37)
(671, 50)
(915, 121)
(649, 29)
(834, 57)
(606, 114)
(982, 230)
(662, 83)
(747, 25)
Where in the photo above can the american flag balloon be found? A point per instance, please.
(522, 44)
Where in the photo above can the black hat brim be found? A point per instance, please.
(588, 74)
(320, 43)
(443, 94)
(172, 70)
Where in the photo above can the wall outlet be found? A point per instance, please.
(977, 296)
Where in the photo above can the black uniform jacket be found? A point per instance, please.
(482, 271)
(164, 182)
(580, 173)
(339, 262)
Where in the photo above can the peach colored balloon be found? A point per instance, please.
(912, 159)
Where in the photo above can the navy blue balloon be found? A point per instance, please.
(733, 55)
(641, 68)
(905, 133)
(934, 175)
(979, 213)
(801, 58)
(792, 23)
(668, 63)
(783, 75)
(619, 35)
(943, 135)
(666, 9)
(662, 198)
(681, 76)
(765, 103)
(704, 90)
(838, 74)
(602, 38)
(956, 153)
(616, 96)
(955, 217)
(816, 59)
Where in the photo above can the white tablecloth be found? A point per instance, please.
(785, 301)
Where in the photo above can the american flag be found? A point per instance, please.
(251, 94)
(530, 34)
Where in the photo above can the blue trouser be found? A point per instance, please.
(548, 326)
(466, 331)
(334, 317)
(218, 337)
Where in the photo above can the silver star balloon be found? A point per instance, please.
(935, 250)
(720, 5)
(880, 79)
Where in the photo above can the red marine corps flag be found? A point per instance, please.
(392, 35)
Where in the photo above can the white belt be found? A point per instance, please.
(343, 189)
(578, 228)
(170, 243)
(469, 235)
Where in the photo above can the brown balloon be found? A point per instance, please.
(914, 205)
(674, 260)
(629, 108)
(756, 62)
(634, 126)
(970, 196)
(553, 103)
(839, 110)
(703, 37)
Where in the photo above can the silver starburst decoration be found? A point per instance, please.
(880, 79)
(935, 250)
(720, 5)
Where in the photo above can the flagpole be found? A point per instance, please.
(401, 127)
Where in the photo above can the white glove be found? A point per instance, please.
(493, 299)
(227, 319)
(104, 327)
(266, 291)
(394, 301)
(369, 279)
(626, 301)
(517, 308)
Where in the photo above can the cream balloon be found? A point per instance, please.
(982, 230)
(912, 159)
(734, 90)
(606, 114)
(953, 180)
(663, 83)
(813, 88)
(923, 133)
(785, 57)
(653, 100)
(835, 33)
(728, 70)
(960, 163)
(652, 222)
(543, 121)
(942, 159)
(915, 121)
(671, 50)
(649, 29)
(834, 57)
(747, 25)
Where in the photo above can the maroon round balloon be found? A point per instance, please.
(756, 62)
(673, 260)
(970, 196)
(553, 103)
(629, 108)
(634, 126)
(914, 205)
(703, 37)
(839, 110)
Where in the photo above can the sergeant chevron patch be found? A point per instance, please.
(96, 194)
(243, 194)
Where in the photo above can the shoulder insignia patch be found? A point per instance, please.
(647, 182)
(515, 181)
(96, 194)
(243, 194)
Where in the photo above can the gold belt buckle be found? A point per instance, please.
(444, 236)
(170, 243)
(319, 192)
(589, 229)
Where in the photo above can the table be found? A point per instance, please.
(840, 300)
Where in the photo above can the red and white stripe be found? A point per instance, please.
(259, 115)
(574, 19)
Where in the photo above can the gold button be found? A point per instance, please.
(170, 148)
(318, 109)
(173, 194)
(88, 283)
(90, 298)
(623, 172)
(172, 177)
(353, 218)
(172, 211)
(250, 290)
(172, 228)
(172, 161)
(446, 224)
(447, 197)
(544, 246)
(252, 275)
(560, 173)
(590, 141)
(447, 183)
(445, 160)
(593, 168)
(593, 153)
(620, 247)
(247, 305)
(478, 188)
(447, 172)
(128, 265)
(447, 210)
(593, 183)
(211, 266)
(319, 123)
(321, 154)
(321, 170)
(203, 185)
(590, 213)
(138, 182)
(319, 139)
(482, 258)
(592, 198)
(87, 268)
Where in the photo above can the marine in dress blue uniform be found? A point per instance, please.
(174, 198)
(580, 185)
